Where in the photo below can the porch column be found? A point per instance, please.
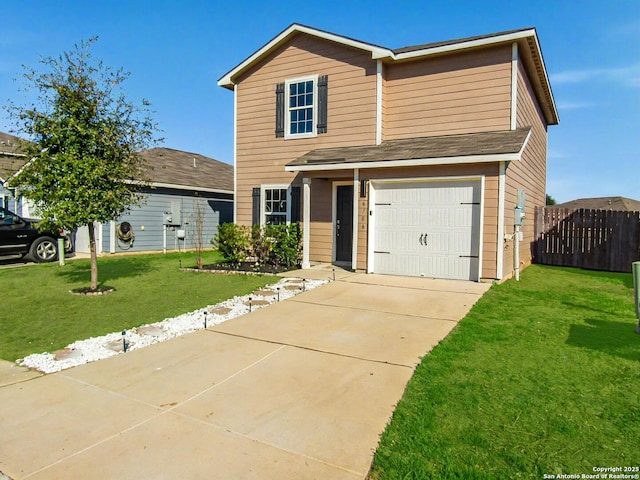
(306, 221)
(356, 195)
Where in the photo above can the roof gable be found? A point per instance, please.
(526, 39)
(228, 79)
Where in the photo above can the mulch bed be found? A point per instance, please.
(243, 267)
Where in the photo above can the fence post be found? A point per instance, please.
(635, 266)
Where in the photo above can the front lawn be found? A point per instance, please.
(39, 314)
(541, 377)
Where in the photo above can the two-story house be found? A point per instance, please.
(405, 162)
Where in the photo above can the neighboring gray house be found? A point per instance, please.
(180, 184)
(11, 160)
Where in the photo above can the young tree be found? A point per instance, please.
(84, 138)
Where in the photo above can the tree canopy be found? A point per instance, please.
(84, 139)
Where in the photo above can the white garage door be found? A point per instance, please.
(429, 229)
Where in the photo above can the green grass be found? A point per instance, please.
(39, 314)
(541, 377)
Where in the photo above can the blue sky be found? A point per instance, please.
(176, 51)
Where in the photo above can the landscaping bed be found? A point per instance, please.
(38, 313)
(244, 267)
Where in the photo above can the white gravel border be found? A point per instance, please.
(98, 348)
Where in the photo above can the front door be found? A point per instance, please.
(344, 223)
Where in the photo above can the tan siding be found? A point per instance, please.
(529, 174)
(260, 155)
(461, 93)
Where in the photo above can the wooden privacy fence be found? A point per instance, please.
(592, 239)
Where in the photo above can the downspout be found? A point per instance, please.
(514, 124)
(378, 102)
(514, 86)
(500, 239)
(235, 153)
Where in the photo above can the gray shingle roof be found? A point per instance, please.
(616, 204)
(176, 167)
(11, 158)
(9, 145)
(166, 166)
(425, 46)
(470, 144)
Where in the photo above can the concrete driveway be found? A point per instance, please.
(300, 389)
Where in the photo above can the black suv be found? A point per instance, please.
(20, 236)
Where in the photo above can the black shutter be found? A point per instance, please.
(280, 110)
(323, 82)
(255, 197)
(295, 204)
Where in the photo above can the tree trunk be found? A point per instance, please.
(94, 256)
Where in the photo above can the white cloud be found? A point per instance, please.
(629, 76)
(554, 154)
(574, 105)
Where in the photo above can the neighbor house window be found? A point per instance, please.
(275, 205)
(301, 107)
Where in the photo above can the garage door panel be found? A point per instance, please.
(428, 229)
(403, 264)
(396, 240)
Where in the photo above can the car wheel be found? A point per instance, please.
(44, 249)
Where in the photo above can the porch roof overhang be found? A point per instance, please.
(481, 147)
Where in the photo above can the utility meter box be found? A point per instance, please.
(518, 216)
(518, 219)
(172, 217)
(167, 218)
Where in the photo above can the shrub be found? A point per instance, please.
(262, 245)
(287, 245)
(274, 245)
(232, 242)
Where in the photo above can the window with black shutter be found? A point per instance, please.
(323, 83)
(301, 107)
(280, 110)
(295, 204)
(255, 206)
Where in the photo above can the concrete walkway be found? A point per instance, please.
(301, 389)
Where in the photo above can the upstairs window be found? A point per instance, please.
(301, 107)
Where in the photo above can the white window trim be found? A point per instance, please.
(287, 114)
(263, 199)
